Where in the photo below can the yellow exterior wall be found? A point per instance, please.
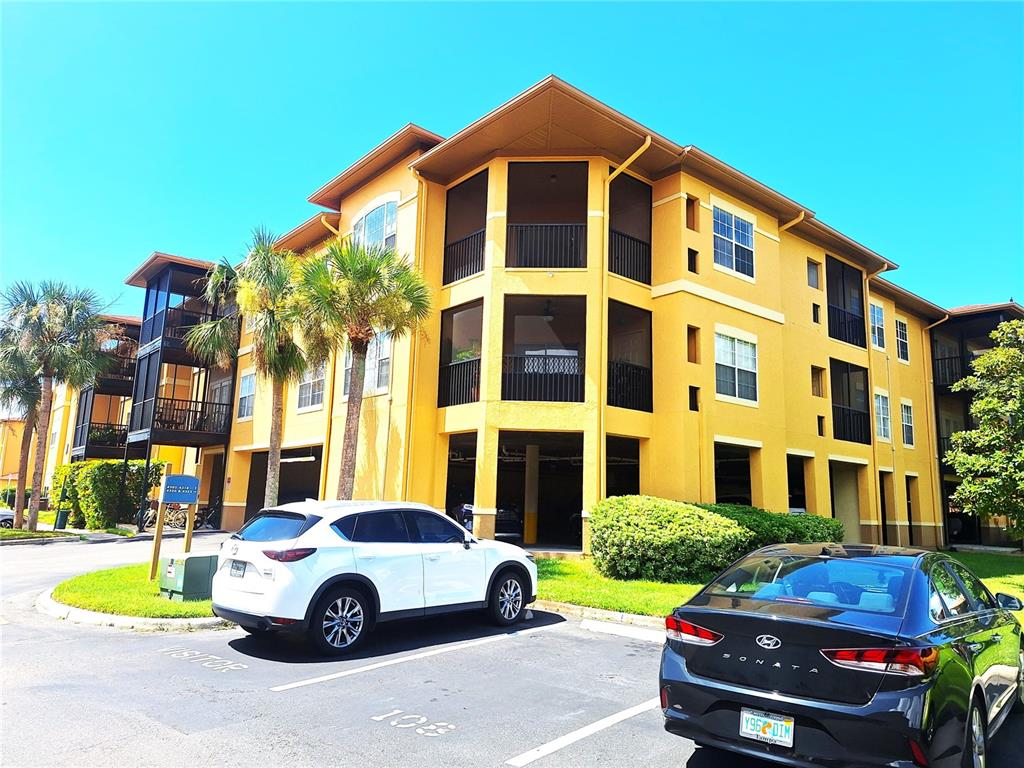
(11, 431)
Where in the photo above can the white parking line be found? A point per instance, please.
(624, 630)
(411, 657)
(581, 733)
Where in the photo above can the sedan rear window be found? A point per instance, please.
(841, 583)
(275, 526)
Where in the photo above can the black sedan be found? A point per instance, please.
(844, 655)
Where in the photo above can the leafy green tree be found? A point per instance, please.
(353, 291)
(59, 331)
(990, 458)
(264, 288)
(20, 391)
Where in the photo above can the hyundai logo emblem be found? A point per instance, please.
(768, 641)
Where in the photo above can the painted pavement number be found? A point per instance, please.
(419, 722)
(208, 660)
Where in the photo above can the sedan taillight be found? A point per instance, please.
(913, 662)
(687, 632)
(288, 555)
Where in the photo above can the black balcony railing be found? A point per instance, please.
(464, 257)
(191, 415)
(945, 444)
(100, 434)
(629, 256)
(948, 370)
(122, 368)
(549, 378)
(173, 323)
(846, 326)
(851, 424)
(458, 383)
(554, 246)
(630, 386)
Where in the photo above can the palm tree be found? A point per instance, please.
(58, 330)
(353, 291)
(19, 394)
(265, 290)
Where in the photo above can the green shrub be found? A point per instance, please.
(778, 528)
(93, 491)
(643, 537)
(65, 482)
(8, 495)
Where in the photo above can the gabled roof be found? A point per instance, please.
(383, 156)
(309, 233)
(1010, 307)
(157, 261)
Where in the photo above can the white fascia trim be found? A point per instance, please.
(740, 441)
(800, 452)
(912, 474)
(885, 469)
(244, 350)
(669, 199)
(599, 214)
(736, 333)
(733, 273)
(696, 289)
(848, 459)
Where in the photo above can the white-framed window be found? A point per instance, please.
(883, 424)
(378, 227)
(378, 366)
(735, 367)
(311, 388)
(246, 395)
(907, 418)
(877, 326)
(902, 341)
(734, 242)
(53, 436)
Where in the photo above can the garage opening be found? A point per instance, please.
(623, 466)
(843, 479)
(461, 482)
(300, 477)
(795, 472)
(732, 474)
(540, 488)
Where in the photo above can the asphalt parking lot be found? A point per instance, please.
(451, 691)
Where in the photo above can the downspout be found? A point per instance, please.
(871, 385)
(794, 222)
(602, 400)
(418, 260)
(325, 458)
(933, 430)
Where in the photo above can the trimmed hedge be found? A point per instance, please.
(779, 528)
(8, 495)
(644, 537)
(94, 490)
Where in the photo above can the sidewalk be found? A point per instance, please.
(98, 537)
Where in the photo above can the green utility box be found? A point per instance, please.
(189, 577)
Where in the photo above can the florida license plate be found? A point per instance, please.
(237, 568)
(766, 727)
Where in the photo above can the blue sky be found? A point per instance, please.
(129, 128)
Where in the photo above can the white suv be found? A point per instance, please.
(333, 569)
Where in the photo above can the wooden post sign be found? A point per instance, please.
(174, 489)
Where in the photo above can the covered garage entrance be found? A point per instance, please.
(300, 477)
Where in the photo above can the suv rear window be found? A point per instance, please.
(276, 526)
(841, 583)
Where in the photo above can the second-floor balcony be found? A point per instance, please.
(545, 377)
(630, 386)
(464, 257)
(458, 382)
(100, 440)
(948, 370)
(629, 256)
(191, 415)
(846, 326)
(851, 424)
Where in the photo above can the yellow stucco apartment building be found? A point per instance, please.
(615, 313)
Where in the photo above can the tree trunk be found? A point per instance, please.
(274, 455)
(26, 449)
(42, 441)
(347, 476)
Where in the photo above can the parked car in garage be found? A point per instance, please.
(333, 570)
(828, 654)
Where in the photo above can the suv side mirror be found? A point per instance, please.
(468, 540)
(1009, 602)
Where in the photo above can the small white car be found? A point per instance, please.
(334, 569)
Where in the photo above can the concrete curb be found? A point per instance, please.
(599, 614)
(44, 540)
(47, 605)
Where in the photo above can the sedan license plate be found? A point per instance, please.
(766, 727)
(237, 568)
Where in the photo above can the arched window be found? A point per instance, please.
(378, 226)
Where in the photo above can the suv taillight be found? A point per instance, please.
(288, 555)
(687, 632)
(914, 662)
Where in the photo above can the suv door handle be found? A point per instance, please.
(432, 557)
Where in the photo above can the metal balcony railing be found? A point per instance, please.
(948, 370)
(846, 326)
(851, 424)
(100, 434)
(629, 256)
(458, 383)
(552, 246)
(549, 378)
(464, 257)
(191, 415)
(630, 386)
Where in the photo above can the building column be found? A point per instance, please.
(485, 491)
(811, 497)
(530, 493)
(755, 463)
(592, 491)
(870, 529)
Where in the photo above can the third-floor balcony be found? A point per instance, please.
(629, 229)
(551, 246)
(846, 326)
(547, 215)
(948, 370)
(851, 424)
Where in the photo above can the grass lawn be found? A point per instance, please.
(579, 583)
(119, 531)
(18, 533)
(48, 517)
(126, 591)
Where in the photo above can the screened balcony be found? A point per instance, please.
(100, 429)
(465, 220)
(544, 343)
(174, 305)
(547, 215)
(845, 302)
(458, 376)
(178, 405)
(851, 419)
(630, 379)
(629, 232)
